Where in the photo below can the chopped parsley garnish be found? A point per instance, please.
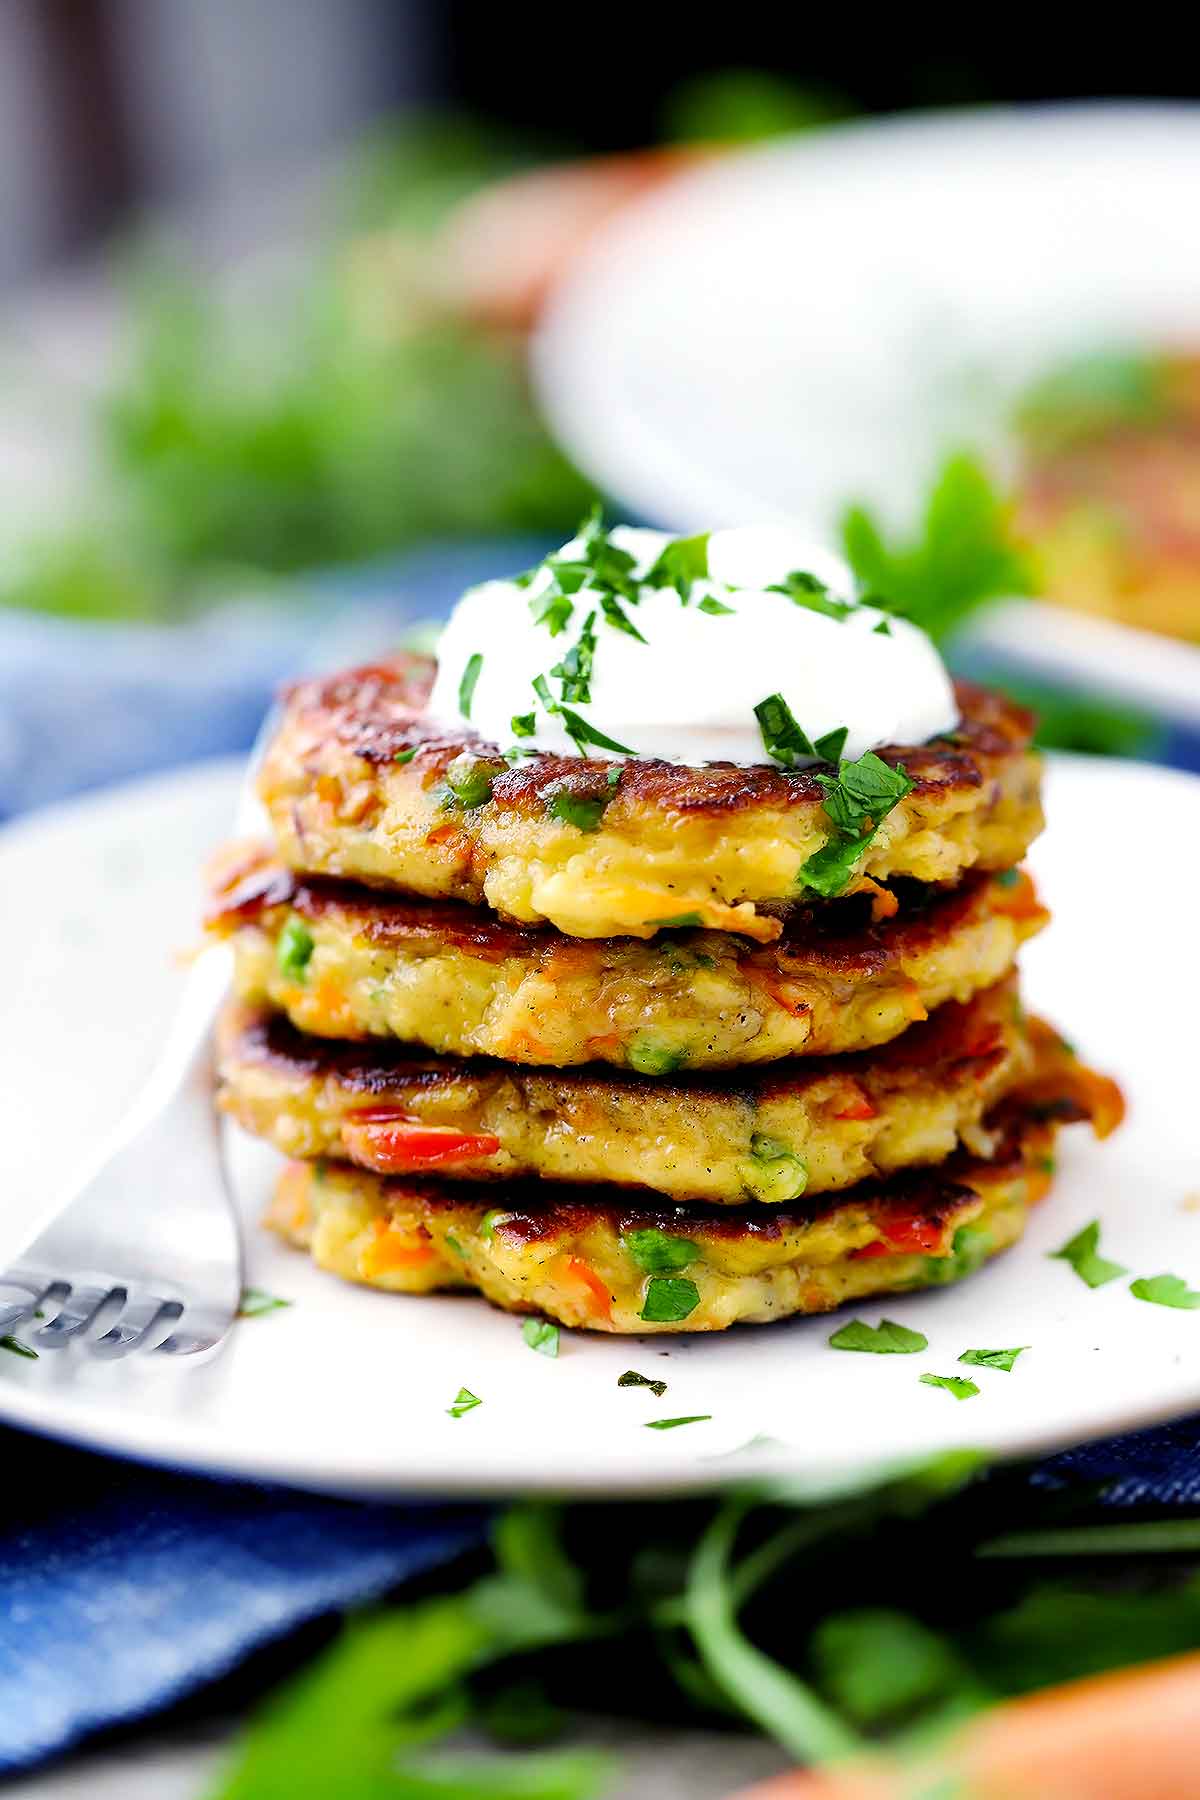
(650, 1057)
(885, 1339)
(658, 1253)
(829, 748)
(1083, 1254)
(679, 921)
(774, 1172)
(575, 669)
(619, 619)
(631, 1378)
(583, 733)
(293, 950)
(464, 1402)
(256, 1301)
(405, 756)
(807, 591)
(670, 1424)
(714, 608)
(681, 562)
(992, 1359)
(1165, 1290)
(857, 800)
(883, 629)
(469, 779)
(580, 810)
(452, 1243)
(489, 1222)
(782, 737)
(552, 609)
(466, 687)
(541, 1336)
(8, 1342)
(523, 725)
(669, 1298)
(958, 1385)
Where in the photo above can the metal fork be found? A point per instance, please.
(147, 1246)
(145, 1254)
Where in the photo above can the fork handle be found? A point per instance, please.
(185, 1058)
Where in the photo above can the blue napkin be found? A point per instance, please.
(123, 1589)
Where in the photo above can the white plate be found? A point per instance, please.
(812, 322)
(349, 1390)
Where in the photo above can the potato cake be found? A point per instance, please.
(810, 1126)
(360, 782)
(345, 961)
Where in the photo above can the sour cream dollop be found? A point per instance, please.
(688, 693)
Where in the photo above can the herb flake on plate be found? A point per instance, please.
(670, 1424)
(1083, 1253)
(992, 1359)
(958, 1385)
(541, 1336)
(1165, 1290)
(885, 1339)
(8, 1342)
(631, 1379)
(464, 1402)
(256, 1301)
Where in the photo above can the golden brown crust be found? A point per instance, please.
(463, 982)
(812, 1125)
(722, 841)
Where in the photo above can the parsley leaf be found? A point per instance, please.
(1082, 1252)
(782, 737)
(8, 1342)
(669, 1298)
(540, 1335)
(256, 1301)
(682, 561)
(714, 608)
(466, 687)
(405, 756)
(293, 949)
(657, 1252)
(1165, 1290)
(807, 591)
(619, 619)
(631, 1378)
(575, 669)
(464, 1401)
(962, 556)
(670, 1424)
(958, 1385)
(829, 748)
(523, 725)
(992, 1359)
(857, 800)
(552, 609)
(885, 1339)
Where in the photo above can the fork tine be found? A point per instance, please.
(80, 1310)
(42, 1292)
(135, 1327)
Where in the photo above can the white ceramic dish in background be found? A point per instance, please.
(796, 326)
(348, 1390)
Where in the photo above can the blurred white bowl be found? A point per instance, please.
(815, 321)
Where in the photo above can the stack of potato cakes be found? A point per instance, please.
(563, 1029)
